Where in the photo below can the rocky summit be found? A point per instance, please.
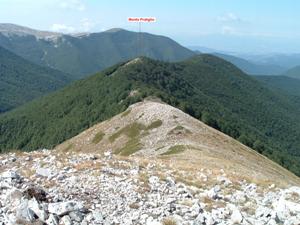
(90, 180)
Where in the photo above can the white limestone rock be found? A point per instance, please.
(63, 208)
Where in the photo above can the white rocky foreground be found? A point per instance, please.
(41, 188)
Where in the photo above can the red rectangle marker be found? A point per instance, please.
(142, 19)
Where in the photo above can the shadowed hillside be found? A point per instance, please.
(22, 81)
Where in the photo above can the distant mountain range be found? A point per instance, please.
(83, 54)
(294, 72)
(22, 81)
(257, 64)
(251, 67)
(205, 86)
(283, 60)
(11, 30)
(86, 53)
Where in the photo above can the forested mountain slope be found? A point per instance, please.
(204, 86)
(22, 81)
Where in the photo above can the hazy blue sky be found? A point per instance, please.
(232, 25)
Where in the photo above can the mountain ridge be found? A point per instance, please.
(81, 55)
(151, 164)
(152, 128)
(177, 188)
(252, 68)
(206, 87)
(13, 29)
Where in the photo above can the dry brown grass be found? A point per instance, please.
(17, 153)
(187, 202)
(212, 204)
(49, 184)
(120, 164)
(211, 150)
(134, 205)
(92, 165)
(28, 172)
(249, 210)
(126, 113)
(169, 221)
(68, 147)
(143, 178)
(197, 184)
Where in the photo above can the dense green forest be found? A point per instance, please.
(288, 85)
(204, 86)
(22, 81)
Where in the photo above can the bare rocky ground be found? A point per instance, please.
(176, 171)
(46, 187)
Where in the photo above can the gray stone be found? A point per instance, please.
(170, 181)
(10, 177)
(37, 209)
(63, 208)
(76, 216)
(23, 212)
(44, 172)
(153, 180)
(14, 197)
(98, 217)
(66, 220)
(52, 220)
(236, 216)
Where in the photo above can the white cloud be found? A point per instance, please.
(229, 17)
(72, 4)
(231, 24)
(62, 28)
(86, 25)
